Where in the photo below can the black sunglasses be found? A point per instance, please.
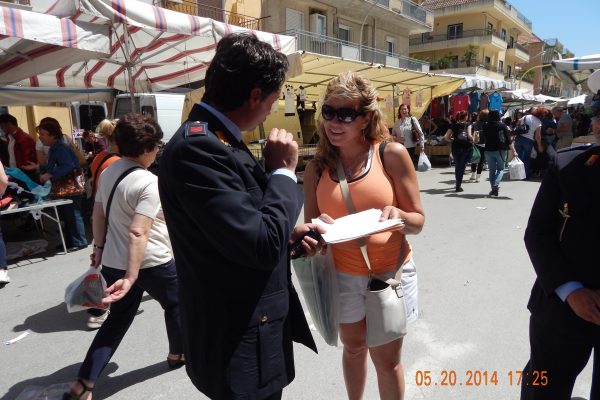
(345, 114)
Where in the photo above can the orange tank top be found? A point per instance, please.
(374, 189)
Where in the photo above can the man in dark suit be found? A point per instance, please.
(230, 224)
(562, 233)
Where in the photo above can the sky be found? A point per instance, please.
(574, 23)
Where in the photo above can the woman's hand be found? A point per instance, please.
(30, 166)
(45, 177)
(390, 212)
(117, 290)
(96, 258)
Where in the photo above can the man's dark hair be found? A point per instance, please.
(241, 63)
(136, 133)
(4, 118)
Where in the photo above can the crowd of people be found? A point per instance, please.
(230, 309)
(534, 136)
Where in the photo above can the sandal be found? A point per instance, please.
(71, 396)
(175, 363)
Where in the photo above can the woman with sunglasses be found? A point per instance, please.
(406, 129)
(351, 131)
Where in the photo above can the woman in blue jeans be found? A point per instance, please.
(133, 249)
(497, 141)
(462, 142)
(62, 161)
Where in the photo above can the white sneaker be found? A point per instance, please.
(4, 279)
(94, 322)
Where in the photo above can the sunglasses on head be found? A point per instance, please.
(344, 114)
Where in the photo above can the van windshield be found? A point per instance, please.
(124, 106)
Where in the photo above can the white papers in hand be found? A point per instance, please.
(356, 225)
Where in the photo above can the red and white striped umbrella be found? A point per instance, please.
(152, 48)
(31, 43)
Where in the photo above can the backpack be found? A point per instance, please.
(521, 128)
(503, 138)
(461, 137)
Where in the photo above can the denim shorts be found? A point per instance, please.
(352, 290)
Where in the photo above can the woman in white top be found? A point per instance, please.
(133, 249)
(403, 133)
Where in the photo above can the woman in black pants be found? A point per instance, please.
(477, 128)
(133, 249)
(461, 137)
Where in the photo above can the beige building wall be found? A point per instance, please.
(375, 31)
(475, 25)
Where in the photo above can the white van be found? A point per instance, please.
(166, 108)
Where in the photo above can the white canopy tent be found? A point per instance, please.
(32, 42)
(313, 72)
(578, 69)
(152, 48)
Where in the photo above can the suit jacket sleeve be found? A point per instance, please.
(542, 236)
(240, 220)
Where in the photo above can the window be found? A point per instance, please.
(455, 31)
(345, 34)
(148, 111)
(487, 61)
(453, 62)
(390, 44)
(490, 27)
(504, 34)
(509, 71)
(511, 42)
(426, 37)
(500, 66)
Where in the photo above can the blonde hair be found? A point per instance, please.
(350, 86)
(106, 128)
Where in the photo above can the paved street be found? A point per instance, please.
(474, 282)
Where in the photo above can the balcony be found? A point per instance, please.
(218, 14)
(405, 13)
(476, 37)
(502, 6)
(329, 46)
(518, 52)
(461, 68)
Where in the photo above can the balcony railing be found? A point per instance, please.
(463, 65)
(326, 45)
(218, 14)
(509, 8)
(425, 38)
(408, 9)
(519, 47)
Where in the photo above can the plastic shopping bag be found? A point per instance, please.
(516, 169)
(87, 291)
(318, 281)
(424, 164)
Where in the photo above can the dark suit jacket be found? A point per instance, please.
(230, 225)
(568, 256)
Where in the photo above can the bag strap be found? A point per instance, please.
(112, 193)
(361, 241)
(105, 159)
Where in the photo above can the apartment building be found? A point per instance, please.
(375, 31)
(474, 37)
